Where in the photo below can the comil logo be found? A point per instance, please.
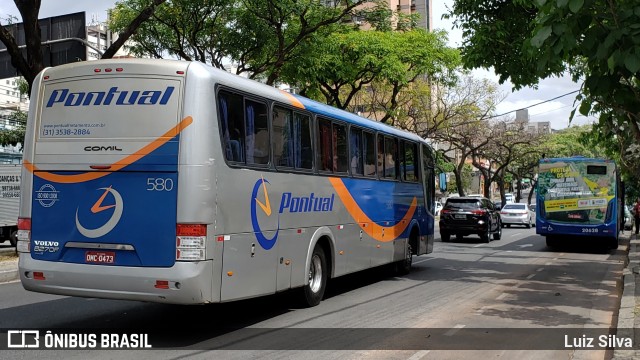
(98, 207)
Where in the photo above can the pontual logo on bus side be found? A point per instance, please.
(124, 97)
(288, 203)
(305, 203)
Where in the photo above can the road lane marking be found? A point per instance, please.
(419, 355)
(418, 262)
(454, 330)
(514, 234)
(547, 263)
(540, 269)
(530, 276)
(478, 245)
(502, 296)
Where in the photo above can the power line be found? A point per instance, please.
(530, 106)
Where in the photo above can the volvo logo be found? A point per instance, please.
(102, 148)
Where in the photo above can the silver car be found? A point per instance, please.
(517, 214)
(628, 219)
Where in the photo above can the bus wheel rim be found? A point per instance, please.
(315, 274)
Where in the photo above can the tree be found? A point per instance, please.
(572, 141)
(528, 40)
(506, 142)
(456, 116)
(30, 66)
(259, 36)
(14, 136)
(388, 64)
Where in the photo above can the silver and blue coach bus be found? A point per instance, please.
(175, 182)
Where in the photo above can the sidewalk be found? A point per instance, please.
(629, 314)
(8, 267)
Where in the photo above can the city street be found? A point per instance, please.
(461, 296)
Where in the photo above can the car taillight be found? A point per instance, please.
(24, 235)
(479, 212)
(191, 242)
(445, 211)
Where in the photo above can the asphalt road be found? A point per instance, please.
(514, 298)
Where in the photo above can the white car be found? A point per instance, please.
(509, 198)
(438, 208)
(517, 214)
(628, 219)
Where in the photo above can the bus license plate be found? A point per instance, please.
(100, 257)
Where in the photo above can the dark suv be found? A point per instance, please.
(463, 216)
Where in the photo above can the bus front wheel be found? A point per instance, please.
(313, 291)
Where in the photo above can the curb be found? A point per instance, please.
(627, 320)
(9, 275)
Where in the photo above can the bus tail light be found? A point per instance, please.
(191, 242)
(24, 235)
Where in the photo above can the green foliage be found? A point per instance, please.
(572, 141)
(337, 67)
(23, 86)
(259, 36)
(14, 137)
(596, 40)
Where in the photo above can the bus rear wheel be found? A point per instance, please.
(313, 291)
(403, 267)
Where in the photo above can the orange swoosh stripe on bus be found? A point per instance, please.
(378, 232)
(294, 101)
(118, 165)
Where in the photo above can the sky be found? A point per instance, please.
(556, 111)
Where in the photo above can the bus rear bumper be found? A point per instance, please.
(183, 283)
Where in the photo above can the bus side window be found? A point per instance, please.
(369, 146)
(391, 158)
(302, 141)
(283, 141)
(380, 161)
(340, 157)
(324, 145)
(257, 140)
(356, 163)
(409, 165)
(231, 125)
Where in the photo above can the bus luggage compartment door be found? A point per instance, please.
(105, 218)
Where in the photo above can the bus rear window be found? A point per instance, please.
(596, 170)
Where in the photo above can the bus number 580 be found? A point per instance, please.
(159, 184)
